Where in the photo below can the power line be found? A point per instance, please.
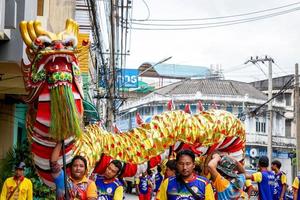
(258, 66)
(147, 18)
(220, 24)
(216, 23)
(222, 17)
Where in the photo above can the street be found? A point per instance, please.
(131, 196)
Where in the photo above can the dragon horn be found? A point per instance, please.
(72, 27)
(31, 30)
(40, 31)
(24, 33)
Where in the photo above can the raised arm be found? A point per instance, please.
(55, 167)
(212, 166)
(239, 167)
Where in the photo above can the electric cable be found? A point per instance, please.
(222, 17)
(219, 24)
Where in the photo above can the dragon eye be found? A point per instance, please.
(70, 41)
(42, 41)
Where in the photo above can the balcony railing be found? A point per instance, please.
(277, 141)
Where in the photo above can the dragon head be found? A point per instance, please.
(54, 75)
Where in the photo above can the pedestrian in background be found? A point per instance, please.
(280, 181)
(186, 184)
(144, 186)
(264, 178)
(18, 186)
(158, 180)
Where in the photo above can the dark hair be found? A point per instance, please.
(186, 152)
(171, 164)
(149, 172)
(263, 161)
(198, 169)
(277, 163)
(78, 157)
(158, 168)
(118, 164)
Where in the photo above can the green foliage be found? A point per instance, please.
(22, 153)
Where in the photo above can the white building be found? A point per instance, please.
(236, 97)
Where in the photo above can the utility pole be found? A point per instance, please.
(110, 107)
(297, 115)
(270, 108)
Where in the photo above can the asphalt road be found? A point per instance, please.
(131, 196)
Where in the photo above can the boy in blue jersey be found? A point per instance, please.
(186, 184)
(144, 186)
(280, 181)
(108, 185)
(264, 178)
(228, 184)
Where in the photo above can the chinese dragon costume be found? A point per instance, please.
(52, 79)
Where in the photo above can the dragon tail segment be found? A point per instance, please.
(150, 143)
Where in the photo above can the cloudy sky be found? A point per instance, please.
(228, 46)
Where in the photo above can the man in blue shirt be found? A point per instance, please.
(264, 178)
(185, 185)
(280, 181)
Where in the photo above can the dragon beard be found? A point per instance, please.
(65, 118)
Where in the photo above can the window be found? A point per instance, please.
(257, 126)
(40, 7)
(260, 127)
(147, 110)
(229, 109)
(263, 127)
(193, 108)
(160, 109)
(288, 99)
(240, 110)
(288, 125)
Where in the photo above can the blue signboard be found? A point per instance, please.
(128, 78)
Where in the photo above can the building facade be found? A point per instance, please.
(236, 97)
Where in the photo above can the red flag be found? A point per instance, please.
(170, 105)
(187, 108)
(200, 106)
(116, 129)
(138, 119)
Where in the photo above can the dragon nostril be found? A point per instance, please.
(58, 46)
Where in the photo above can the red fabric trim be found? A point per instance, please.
(129, 170)
(226, 141)
(102, 164)
(154, 161)
(45, 152)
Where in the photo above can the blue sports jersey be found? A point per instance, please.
(178, 191)
(158, 180)
(106, 191)
(278, 186)
(144, 184)
(266, 186)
